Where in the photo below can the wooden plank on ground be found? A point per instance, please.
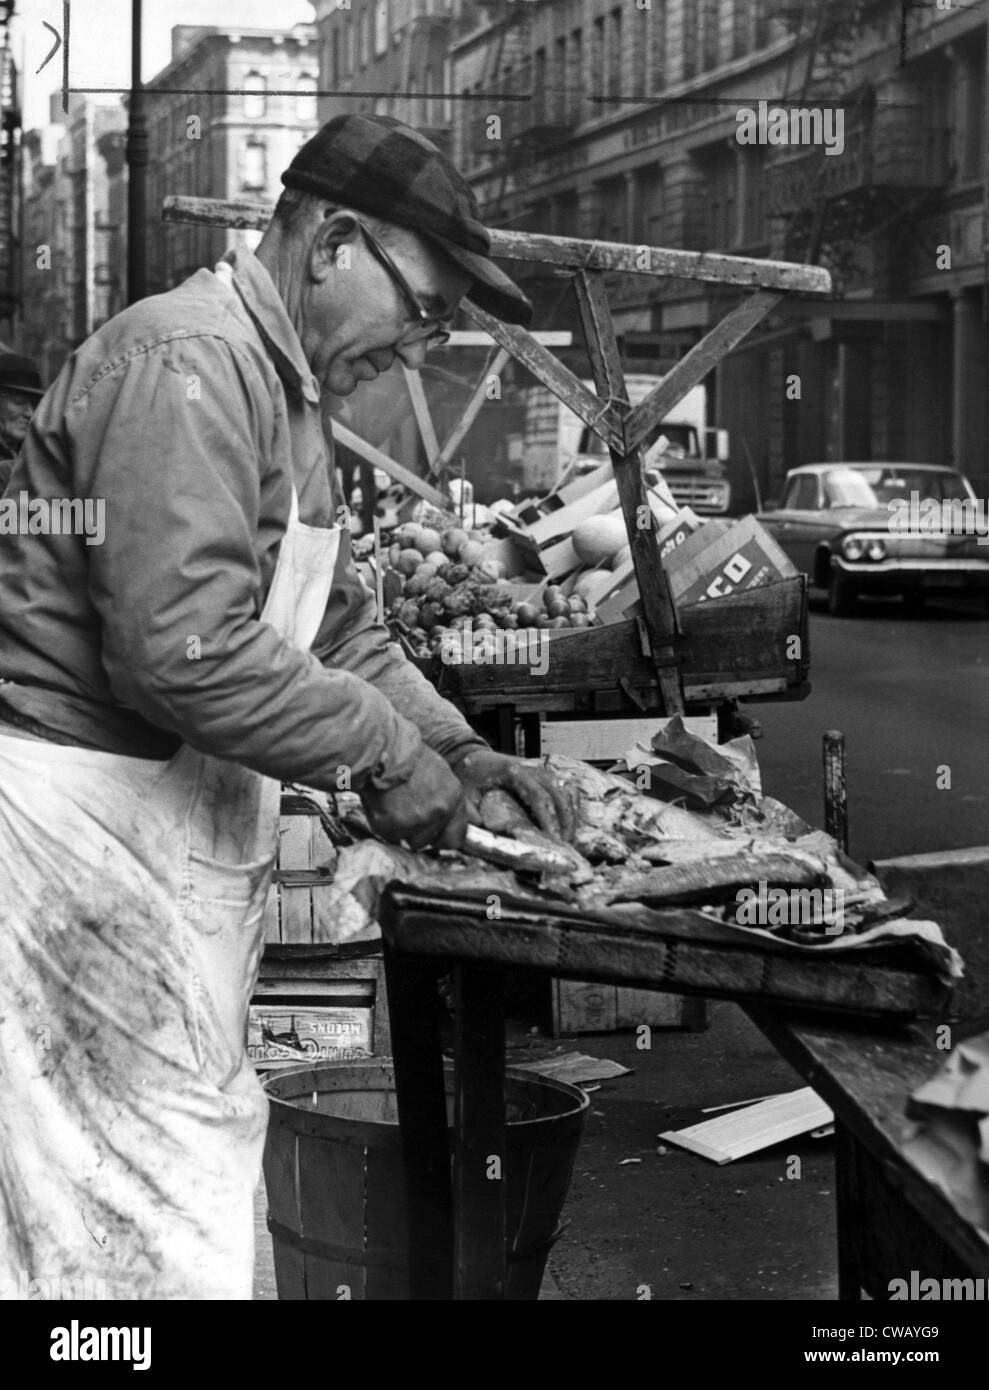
(755, 1127)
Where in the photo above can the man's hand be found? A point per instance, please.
(553, 806)
(429, 809)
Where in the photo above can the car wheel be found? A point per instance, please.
(841, 595)
(914, 602)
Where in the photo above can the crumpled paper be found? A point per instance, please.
(950, 1143)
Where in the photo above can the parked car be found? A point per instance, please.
(882, 528)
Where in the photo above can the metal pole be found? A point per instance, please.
(137, 164)
(835, 788)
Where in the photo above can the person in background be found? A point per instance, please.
(20, 392)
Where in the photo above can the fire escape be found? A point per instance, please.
(892, 171)
(427, 39)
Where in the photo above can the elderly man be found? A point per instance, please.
(156, 689)
(20, 392)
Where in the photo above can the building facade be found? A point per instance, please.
(10, 180)
(391, 58)
(621, 122)
(68, 271)
(225, 118)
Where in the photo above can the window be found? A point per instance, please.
(651, 200)
(576, 74)
(614, 80)
(351, 59)
(364, 38)
(974, 117)
(305, 101)
(381, 27)
(709, 34)
(254, 96)
(656, 19)
(560, 96)
(335, 59)
(721, 193)
(801, 493)
(428, 113)
(253, 165)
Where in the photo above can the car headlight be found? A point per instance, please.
(875, 549)
(853, 547)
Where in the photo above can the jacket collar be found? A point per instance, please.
(263, 302)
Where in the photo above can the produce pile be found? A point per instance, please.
(441, 582)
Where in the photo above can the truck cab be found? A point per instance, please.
(691, 457)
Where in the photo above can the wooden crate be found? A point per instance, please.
(583, 1007)
(738, 647)
(323, 990)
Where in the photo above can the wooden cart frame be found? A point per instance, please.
(622, 427)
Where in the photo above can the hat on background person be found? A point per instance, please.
(19, 373)
(388, 170)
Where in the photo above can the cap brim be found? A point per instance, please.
(38, 391)
(491, 290)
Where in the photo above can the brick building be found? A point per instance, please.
(391, 58)
(619, 122)
(68, 269)
(225, 117)
(10, 178)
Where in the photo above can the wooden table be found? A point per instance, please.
(891, 1219)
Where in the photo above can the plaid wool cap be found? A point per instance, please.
(377, 165)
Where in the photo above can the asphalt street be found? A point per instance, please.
(911, 696)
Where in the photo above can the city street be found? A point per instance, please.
(910, 696)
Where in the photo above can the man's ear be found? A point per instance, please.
(332, 244)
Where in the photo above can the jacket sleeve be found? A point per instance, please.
(177, 581)
(352, 638)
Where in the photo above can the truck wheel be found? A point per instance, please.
(841, 595)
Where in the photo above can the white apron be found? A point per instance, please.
(132, 899)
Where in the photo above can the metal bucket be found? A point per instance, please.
(336, 1186)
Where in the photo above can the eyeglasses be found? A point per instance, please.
(437, 334)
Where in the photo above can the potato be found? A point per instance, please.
(470, 553)
(427, 540)
(579, 620)
(558, 608)
(557, 623)
(406, 535)
(528, 615)
(438, 560)
(577, 604)
(408, 562)
(452, 540)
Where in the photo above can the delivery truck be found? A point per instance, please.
(557, 447)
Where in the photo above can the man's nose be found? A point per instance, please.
(413, 354)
